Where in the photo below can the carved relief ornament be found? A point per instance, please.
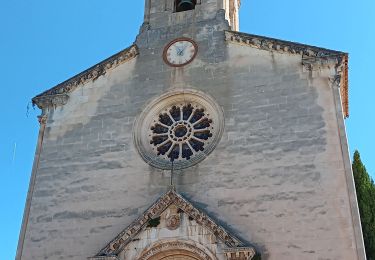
(173, 222)
(234, 247)
(176, 249)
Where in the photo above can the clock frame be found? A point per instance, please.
(165, 52)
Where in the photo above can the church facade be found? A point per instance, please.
(196, 142)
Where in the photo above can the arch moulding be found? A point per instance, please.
(177, 249)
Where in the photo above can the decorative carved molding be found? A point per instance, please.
(312, 57)
(176, 247)
(271, 44)
(103, 258)
(42, 119)
(344, 85)
(243, 253)
(316, 63)
(169, 198)
(51, 100)
(53, 96)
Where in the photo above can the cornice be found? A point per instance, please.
(240, 253)
(51, 100)
(57, 95)
(272, 44)
(312, 57)
(169, 198)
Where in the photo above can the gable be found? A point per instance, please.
(311, 56)
(173, 223)
(58, 95)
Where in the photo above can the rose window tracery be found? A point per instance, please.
(178, 129)
(181, 131)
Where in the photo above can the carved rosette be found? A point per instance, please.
(173, 222)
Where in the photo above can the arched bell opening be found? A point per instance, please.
(185, 5)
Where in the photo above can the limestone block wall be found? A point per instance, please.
(278, 178)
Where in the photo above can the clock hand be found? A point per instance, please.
(181, 49)
(177, 49)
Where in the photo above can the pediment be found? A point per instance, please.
(58, 95)
(174, 223)
(312, 57)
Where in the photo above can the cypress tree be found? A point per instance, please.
(365, 188)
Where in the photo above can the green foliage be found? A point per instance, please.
(365, 188)
(153, 222)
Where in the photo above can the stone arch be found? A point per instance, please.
(184, 5)
(175, 250)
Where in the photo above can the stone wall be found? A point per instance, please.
(278, 178)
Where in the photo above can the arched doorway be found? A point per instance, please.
(177, 250)
(176, 255)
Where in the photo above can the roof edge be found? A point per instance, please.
(268, 43)
(58, 94)
(309, 53)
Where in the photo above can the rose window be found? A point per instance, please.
(181, 131)
(178, 129)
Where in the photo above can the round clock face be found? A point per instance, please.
(180, 52)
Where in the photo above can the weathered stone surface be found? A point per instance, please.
(279, 178)
(191, 231)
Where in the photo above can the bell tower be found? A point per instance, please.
(163, 13)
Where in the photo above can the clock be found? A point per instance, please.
(180, 52)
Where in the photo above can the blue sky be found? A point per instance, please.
(44, 42)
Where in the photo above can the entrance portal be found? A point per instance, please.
(177, 250)
(176, 255)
